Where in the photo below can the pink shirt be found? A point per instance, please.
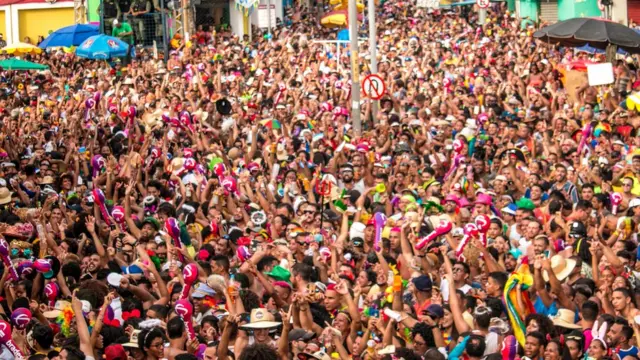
(588, 337)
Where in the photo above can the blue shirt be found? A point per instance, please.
(540, 308)
(551, 310)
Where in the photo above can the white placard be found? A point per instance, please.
(263, 20)
(600, 74)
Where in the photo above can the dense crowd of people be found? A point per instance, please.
(220, 205)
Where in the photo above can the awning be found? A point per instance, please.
(17, 2)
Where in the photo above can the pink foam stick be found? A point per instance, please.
(184, 309)
(4, 253)
(7, 341)
(172, 227)
(483, 222)
(51, 290)
(470, 230)
(379, 221)
(616, 200)
(190, 275)
(586, 131)
(454, 166)
(443, 228)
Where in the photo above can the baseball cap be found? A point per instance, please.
(115, 352)
(279, 273)
(578, 228)
(510, 209)
(203, 290)
(435, 311)
(422, 283)
(300, 335)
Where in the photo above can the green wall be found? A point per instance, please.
(529, 8)
(92, 9)
(568, 9)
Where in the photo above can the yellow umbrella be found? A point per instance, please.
(633, 102)
(22, 48)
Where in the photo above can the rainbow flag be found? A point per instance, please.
(522, 276)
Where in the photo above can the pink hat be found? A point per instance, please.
(463, 202)
(452, 197)
(484, 199)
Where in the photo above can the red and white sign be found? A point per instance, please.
(483, 4)
(374, 87)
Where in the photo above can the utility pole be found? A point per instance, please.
(355, 71)
(482, 16)
(373, 51)
(269, 17)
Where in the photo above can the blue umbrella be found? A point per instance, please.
(103, 47)
(68, 36)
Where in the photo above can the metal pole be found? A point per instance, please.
(165, 30)
(373, 51)
(269, 17)
(482, 16)
(102, 18)
(355, 71)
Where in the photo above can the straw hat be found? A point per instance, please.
(5, 196)
(565, 318)
(319, 355)
(47, 180)
(261, 319)
(561, 267)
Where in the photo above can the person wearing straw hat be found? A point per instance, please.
(260, 323)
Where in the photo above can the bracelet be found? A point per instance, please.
(420, 256)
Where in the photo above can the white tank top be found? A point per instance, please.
(514, 236)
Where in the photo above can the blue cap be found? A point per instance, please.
(510, 209)
(203, 290)
(423, 283)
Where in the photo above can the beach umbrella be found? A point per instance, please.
(271, 124)
(69, 36)
(632, 102)
(103, 47)
(21, 48)
(19, 64)
(595, 32)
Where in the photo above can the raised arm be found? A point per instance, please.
(454, 304)
(82, 328)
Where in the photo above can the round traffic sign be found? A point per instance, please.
(483, 4)
(374, 87)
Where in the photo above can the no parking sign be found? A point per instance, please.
(374, 87)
